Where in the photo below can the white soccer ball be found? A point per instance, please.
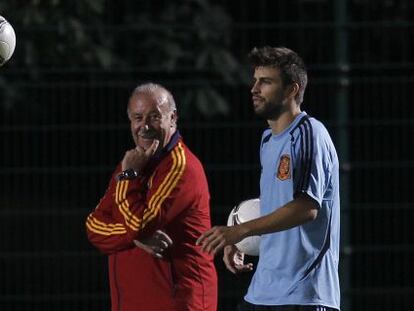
(7, 40)
(245, 211)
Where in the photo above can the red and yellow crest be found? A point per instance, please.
(283, 171)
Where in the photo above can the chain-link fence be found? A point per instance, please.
(62, 136)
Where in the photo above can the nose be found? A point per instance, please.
(143, 128)
(143, 124)
(140, 125)
(254, 89)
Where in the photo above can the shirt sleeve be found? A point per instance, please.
(164, 198)
(140, 208)
(312, 164)
(106, 229)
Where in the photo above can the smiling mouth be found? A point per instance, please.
(146, 137)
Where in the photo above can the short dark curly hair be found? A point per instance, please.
(290, 64)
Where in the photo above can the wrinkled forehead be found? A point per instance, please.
(146, 101)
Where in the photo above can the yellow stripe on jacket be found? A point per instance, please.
(157, 199)
(169, 184)
(102, 228)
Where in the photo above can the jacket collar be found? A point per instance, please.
(159, 155)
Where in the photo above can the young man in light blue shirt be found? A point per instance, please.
(299, 198)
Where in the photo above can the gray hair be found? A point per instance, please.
(163, 96)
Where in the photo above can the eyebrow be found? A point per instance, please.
(152, 113)
(263, 78)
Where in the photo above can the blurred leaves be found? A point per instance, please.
(185, 40)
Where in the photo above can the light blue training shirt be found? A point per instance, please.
(299, 266)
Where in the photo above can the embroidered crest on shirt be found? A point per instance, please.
(283, 171)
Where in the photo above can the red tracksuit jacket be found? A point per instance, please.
(172, 195)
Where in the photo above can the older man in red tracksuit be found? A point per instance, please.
(160, 184)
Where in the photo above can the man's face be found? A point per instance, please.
(268, 93)
(151, 118)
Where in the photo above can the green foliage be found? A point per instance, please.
(57, 33)
(186, 40)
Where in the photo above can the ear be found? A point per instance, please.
(292, 90)
(174, 118)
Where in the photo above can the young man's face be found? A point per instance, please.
(150, 119)
(268, 93)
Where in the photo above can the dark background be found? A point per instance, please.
(63, 97)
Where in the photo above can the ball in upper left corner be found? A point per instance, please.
(7, 40)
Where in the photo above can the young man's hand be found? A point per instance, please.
(213, 240)
(234, 260)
